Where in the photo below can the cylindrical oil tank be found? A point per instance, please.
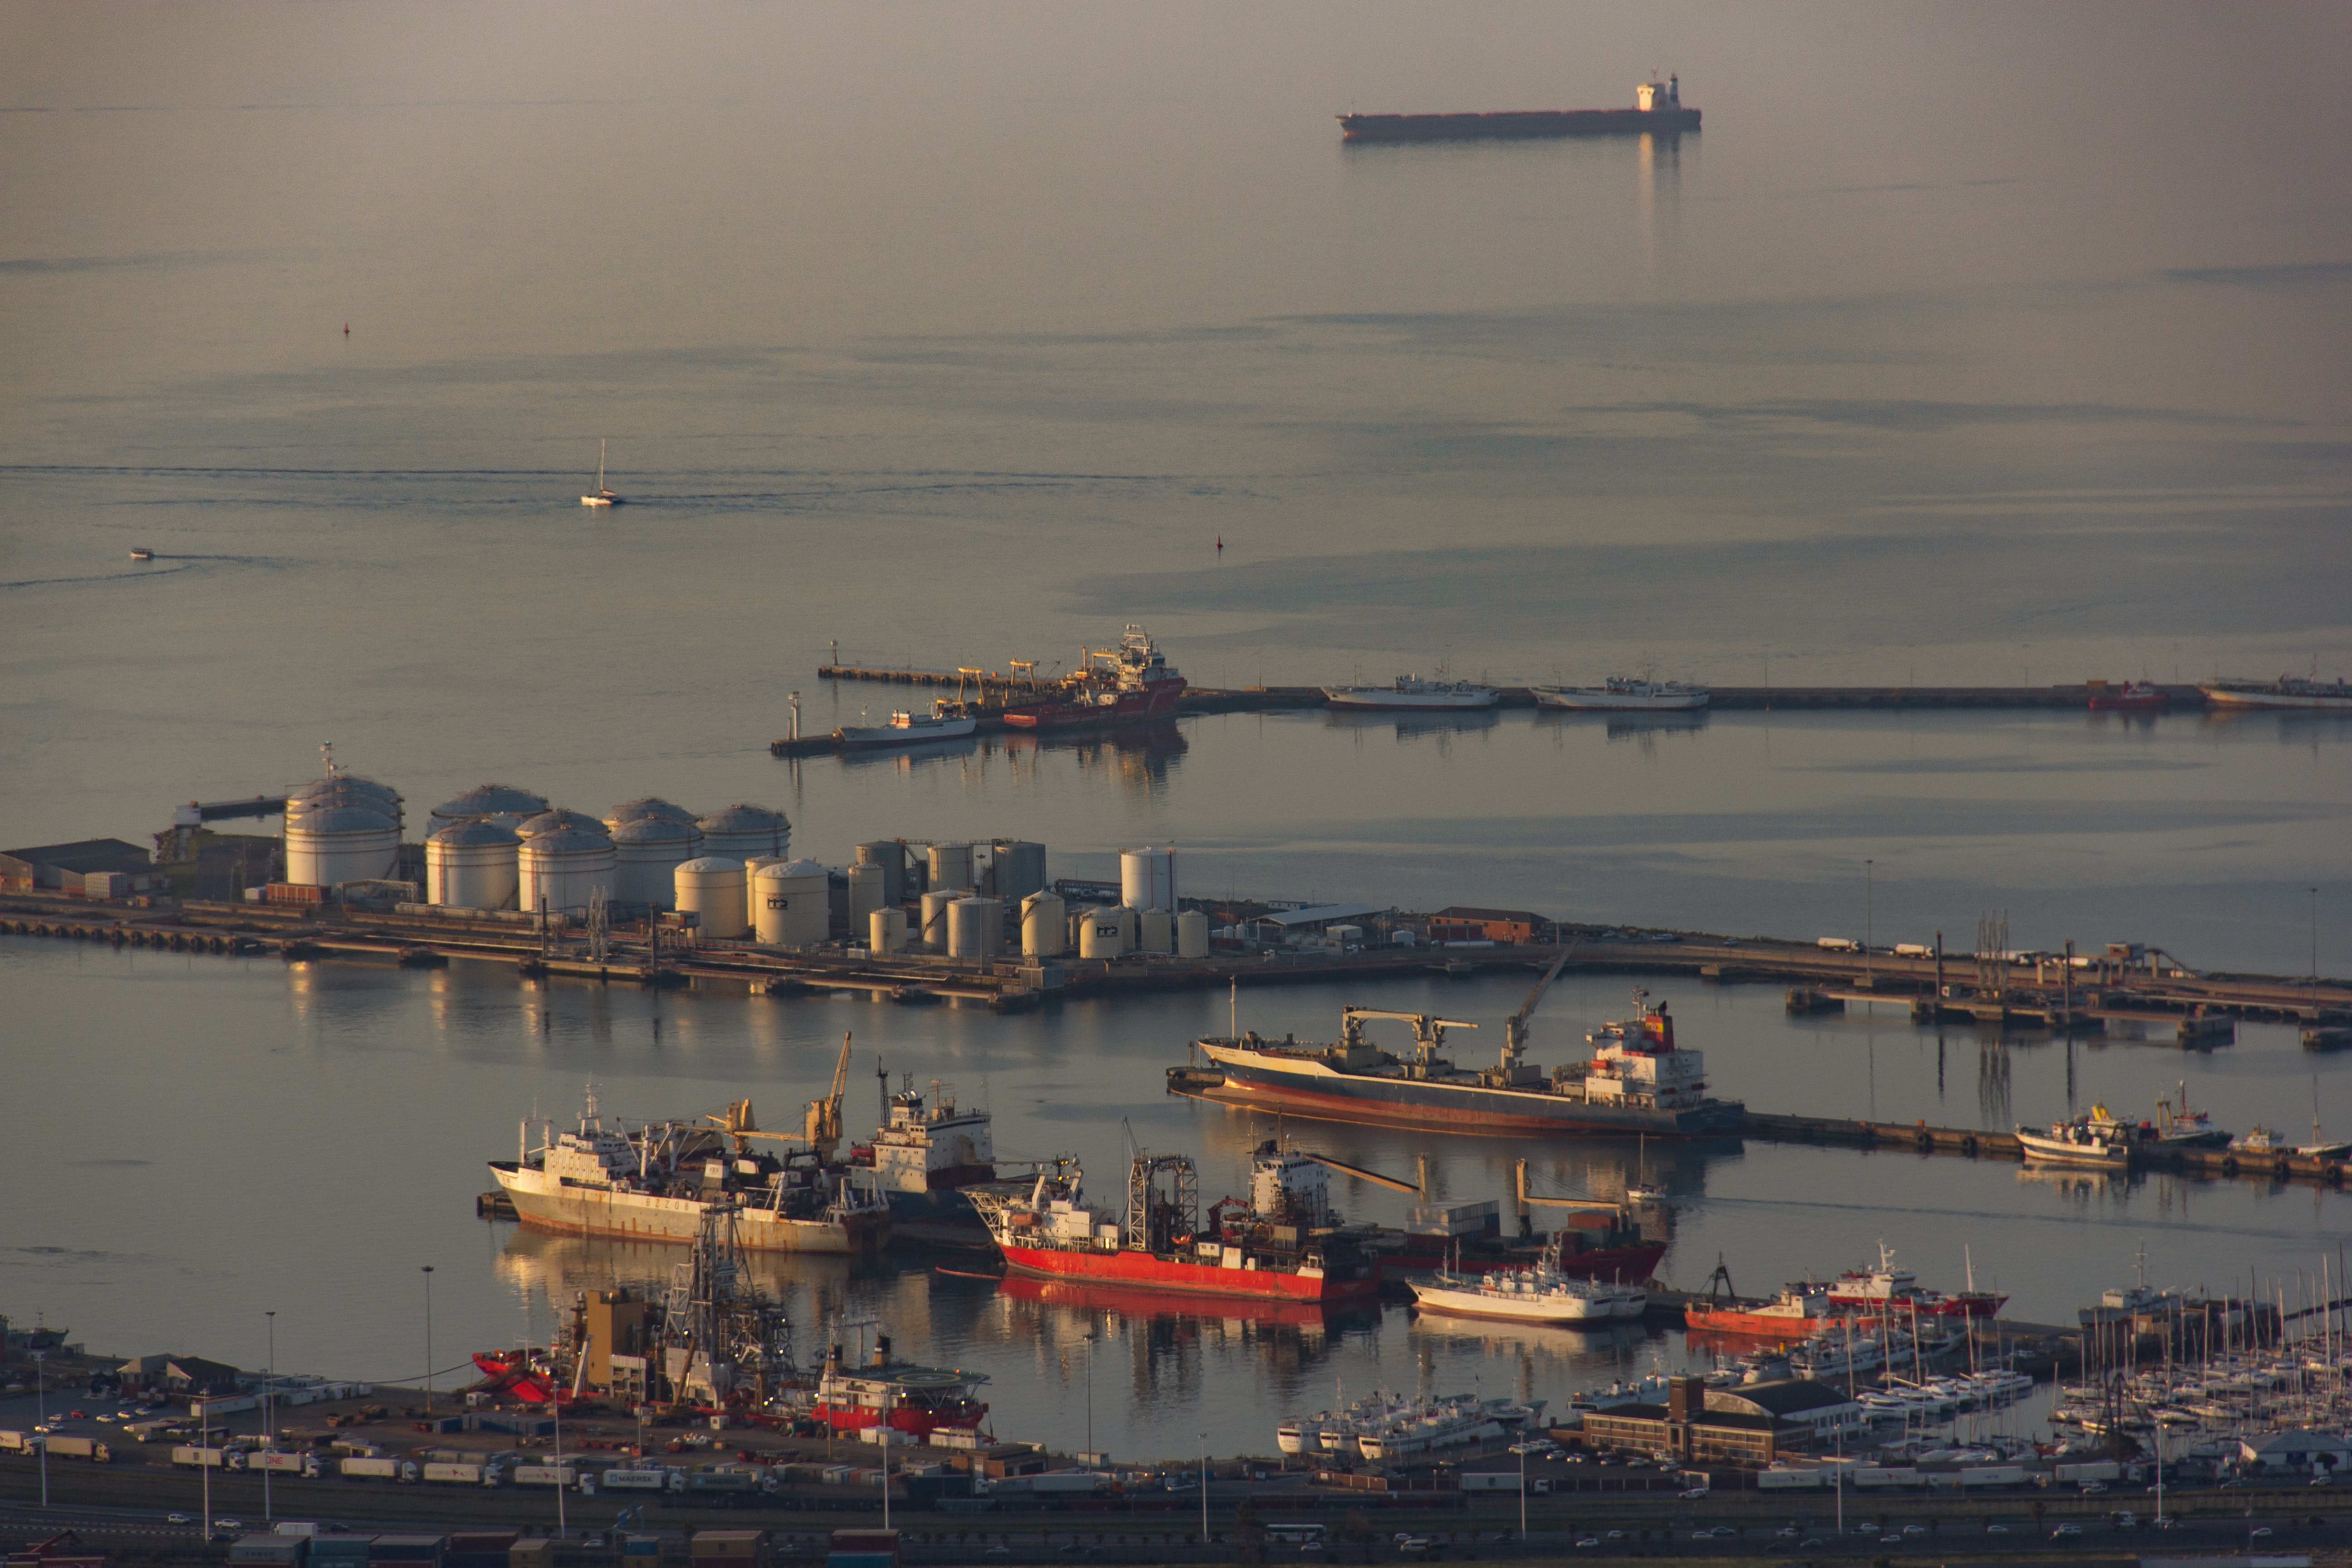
(648, 806)
(342, 789)
(483, 801)
(471, 866)
(790, 904)
(1131, 933)
(562, 871)
(1103, 935)
(341, 844)
(647, 852)
(975, 929)
(951, 866)
(1155, 931)
(867, 886)
(751, 866)
(1192, 934)
(934, 934)
(711, 887)
(559, 820)
(1147, 878)
(1045, 926)
(890, 854)
(1017, 867)
(742, 831)
(885, 930)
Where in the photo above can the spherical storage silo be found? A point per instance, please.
(1192, 934)
(711, 889)
(792, 901)
(562, 871)
(742, 831)
(647, 852)
(1147, 878)
(341, 844)
(975, 929)
(483, 802)
(1045, 926)
(472, 866)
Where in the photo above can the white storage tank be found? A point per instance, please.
(341, 844)
(975, 929)
(485, 800)
(562, 871)
(867, 886)
(885, 930)
(345, 789)
(1155, 932)
(559, 820)
(751, 866)
(742, 831)
(1192, 934)
(1131, 934)
(951, 866)
(1045, 926)
(471, 866)
(1103, 935)
(646, 807)
(1147, 878)
(791, 901)
(711, 887)
(647, 852)
(933, 937)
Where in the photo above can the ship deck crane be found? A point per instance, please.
(821, 1119)
(1428, 1032)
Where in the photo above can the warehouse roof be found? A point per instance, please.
(83, 855)
(1322, 914)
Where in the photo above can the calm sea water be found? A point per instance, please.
(1965, 344)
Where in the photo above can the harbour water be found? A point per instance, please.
(973, 340)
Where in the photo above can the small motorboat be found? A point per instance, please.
(140, 553)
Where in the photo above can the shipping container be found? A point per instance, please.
(89, 1448)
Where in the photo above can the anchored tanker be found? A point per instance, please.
(1658, 109)
(1638, 1081)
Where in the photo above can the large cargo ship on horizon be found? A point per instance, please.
(1657, 110)
(1637, 1081)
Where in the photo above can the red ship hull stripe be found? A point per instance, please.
(1142, 1268)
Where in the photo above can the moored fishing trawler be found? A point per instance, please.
(656, 1182)
(1625, 693)
(1888, 1290)
(1284, 1243)
(1542, 1294)
(2308, 693)
(905, 730)
(2089, 1140)
(1411, 693)
(1638, 1080)
(1797, 1313)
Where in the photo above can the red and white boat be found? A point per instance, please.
(2131, 696)
(1798, 1312)
(1284, 1244)
(1123, 685)
(887, 1392)
(1887, 1289)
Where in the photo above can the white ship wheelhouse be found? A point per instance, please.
(929, 1137)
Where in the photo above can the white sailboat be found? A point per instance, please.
(600, 496)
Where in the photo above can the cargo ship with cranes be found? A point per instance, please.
(1283, 1244)
(1130, 684)
(657, 1181)
(1657, 110)
(1638, 1081)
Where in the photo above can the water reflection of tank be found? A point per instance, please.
(711, 889)
(885, 930)
(486, 801)
(335, 844)
(1147, 878)
(742, 831)
(790, 900)
(647, 851)
(472, 866)
(1045, 926)
(975, 929)
(562, 871)
(1192, 934)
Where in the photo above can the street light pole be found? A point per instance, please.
(269, 1416)
(1869, 921)
(41, 1396)
(1090, 1397)
(1204, 1488)
(205, 1460)
(1523, 1494)
(428, 1344)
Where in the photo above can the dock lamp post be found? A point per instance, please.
(41, 1397)
(269, 1416)
(204, 1409)
(427, 1268)
(1523, 1493)
(1204, 1488)
(1090, 1397)
(1869, 920)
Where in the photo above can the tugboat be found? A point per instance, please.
(1285, 1243)
(1129, 684)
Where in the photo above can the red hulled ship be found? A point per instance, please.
(1123, 685)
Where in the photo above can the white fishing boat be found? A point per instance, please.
(2308, 694)
(1625, 693)
(600, 496)
(1538, 1295)
(905, 730)
(1411, 692)
(2082, 1141)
